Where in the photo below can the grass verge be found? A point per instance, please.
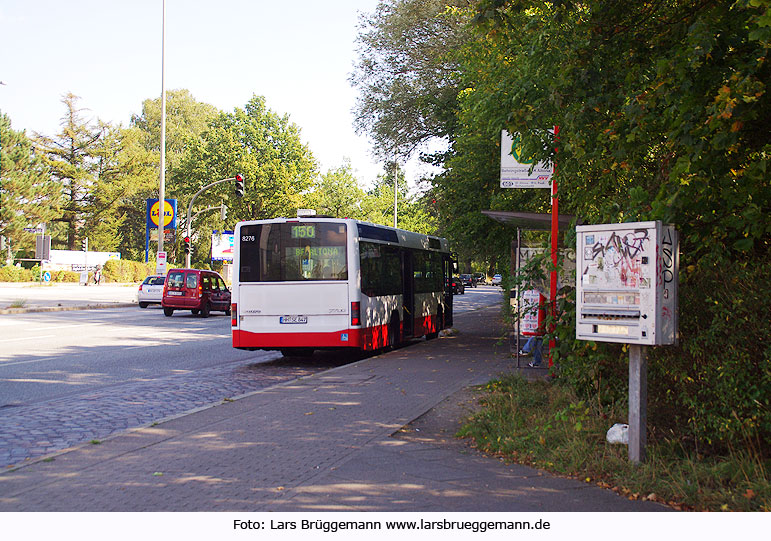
(544, 425)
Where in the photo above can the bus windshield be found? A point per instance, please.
(284, 252)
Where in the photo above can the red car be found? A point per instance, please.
(199, 291)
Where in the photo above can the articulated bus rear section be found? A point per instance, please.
(316, 283)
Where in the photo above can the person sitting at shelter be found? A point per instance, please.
(533, 345)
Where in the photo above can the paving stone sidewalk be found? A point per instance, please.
(33, 431)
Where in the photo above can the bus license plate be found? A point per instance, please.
(293, 319)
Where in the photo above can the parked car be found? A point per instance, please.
(497, 280)
(468, 280)
(199, 291)
(151, 291)
(457, 286)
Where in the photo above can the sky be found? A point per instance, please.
(299, 55)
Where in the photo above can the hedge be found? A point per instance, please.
(120, 270)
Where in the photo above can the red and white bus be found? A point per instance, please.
(321, 283)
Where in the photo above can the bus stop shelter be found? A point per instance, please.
(523, 221)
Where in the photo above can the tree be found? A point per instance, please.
(71, 157)
(337, 193)
(27, 195)
(407, 75)
(266, 148)
(186, 118)
(127, 174)
(662, 108)
(411, 212)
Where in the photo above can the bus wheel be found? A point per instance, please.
(439, 325)
(297, 352)
(394, 333)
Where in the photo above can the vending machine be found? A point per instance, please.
(533, 313)
(626, 288)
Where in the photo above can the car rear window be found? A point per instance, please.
(176, 279)
(155, 280)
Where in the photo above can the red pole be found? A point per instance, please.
(554, 236)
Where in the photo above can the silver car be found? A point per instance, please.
(151, 291)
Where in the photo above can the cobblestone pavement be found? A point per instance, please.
(33, 431)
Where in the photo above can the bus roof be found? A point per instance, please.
(371, 232)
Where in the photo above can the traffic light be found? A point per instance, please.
(239, 185)
(84, 243)
(187, 245)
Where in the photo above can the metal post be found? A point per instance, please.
(162, 191)
(85, 261)
(638, 402)
(189, 217)
(554, 238)
(519, 292)
(396, 191)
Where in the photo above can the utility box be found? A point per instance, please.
(626, 283)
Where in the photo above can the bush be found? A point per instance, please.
(123, 270)
(711, 391)
(718, 381)
(65, 276)
(15, 274)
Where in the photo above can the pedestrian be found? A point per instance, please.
(533, 345)
(97, 275)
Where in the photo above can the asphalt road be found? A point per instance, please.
(55, 354)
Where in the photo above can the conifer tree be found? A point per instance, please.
(27, 195)
(72, 159)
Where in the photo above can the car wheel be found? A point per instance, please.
(168, 311)
(205, 310)
(144, 304)
(195, 311)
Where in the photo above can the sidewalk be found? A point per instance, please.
(327, 442)
(23, 297)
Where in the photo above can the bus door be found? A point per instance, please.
(448, 263)
(408, 294)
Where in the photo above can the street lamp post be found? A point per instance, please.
(162, 191)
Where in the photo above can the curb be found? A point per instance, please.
(66, 308)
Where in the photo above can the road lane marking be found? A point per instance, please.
(27, 338)
(4, 364)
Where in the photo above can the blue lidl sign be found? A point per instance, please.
(168, 217)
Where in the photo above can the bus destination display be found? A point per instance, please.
(303, 231)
